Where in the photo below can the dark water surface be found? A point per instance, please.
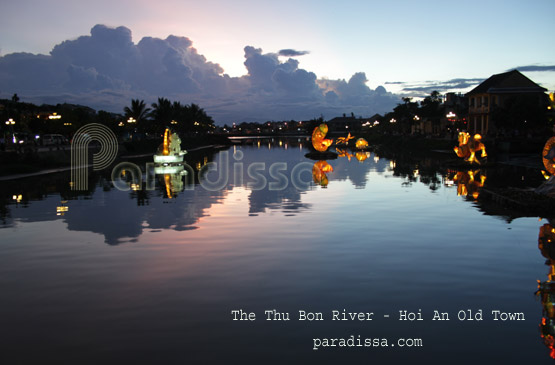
(139, 277)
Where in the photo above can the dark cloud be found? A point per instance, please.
(533, 68)
(106, 69)
(427, 87)
(292, 53)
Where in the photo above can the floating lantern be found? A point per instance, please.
(170, 150)
(546, 289)
(361, 143)
(548, 157)
(468, 146)
(318, 138)
(344, 140)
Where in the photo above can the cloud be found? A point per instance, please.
(425, 88)
(533, 68)
(291, 52)
(106, 69)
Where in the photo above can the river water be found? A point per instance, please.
(165, 275)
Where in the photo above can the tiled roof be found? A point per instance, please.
(512, 81)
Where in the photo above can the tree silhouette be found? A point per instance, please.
(138, 110)
(140, 113)
(162, 113)
(431, 108)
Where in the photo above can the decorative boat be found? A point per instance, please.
(170, 151)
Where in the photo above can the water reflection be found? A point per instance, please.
(177, 201)
(344, 153)
(200, 252)
(546, 289)
(468, 182)
(319, 172)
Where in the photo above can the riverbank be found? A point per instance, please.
(40, 161)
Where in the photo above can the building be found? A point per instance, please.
(346, 124)
(494, 93)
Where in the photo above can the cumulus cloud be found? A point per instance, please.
(291, 52)
(106, 69)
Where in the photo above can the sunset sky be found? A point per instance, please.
(405, 46)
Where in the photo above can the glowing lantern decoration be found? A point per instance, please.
(319, 170)
(468, 146)
(170, 150)
(318, 138)
(344, 140)
(166, 144)
(548, 157)
(361, 143)
(546, 289)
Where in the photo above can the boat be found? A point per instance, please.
(170, 151)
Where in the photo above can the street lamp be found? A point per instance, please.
(11, 123)
(131, 120)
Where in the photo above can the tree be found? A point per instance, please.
(405, 114)
(430, 108)
(162, 111)
(15, 98)
(138, 110)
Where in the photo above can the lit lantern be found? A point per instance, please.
(361, 143)
(318, 138)
(170, 150)
(344, 140)
(548, 157)
(468, 146)
(546, 289)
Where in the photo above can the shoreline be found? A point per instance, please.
(68, 168)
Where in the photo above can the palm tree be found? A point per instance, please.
(201, 120)
(163, 113)
(138, 110)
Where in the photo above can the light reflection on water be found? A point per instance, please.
(136, 276)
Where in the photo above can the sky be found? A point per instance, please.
(336, 57)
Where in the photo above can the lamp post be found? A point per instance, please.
(10, 122)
